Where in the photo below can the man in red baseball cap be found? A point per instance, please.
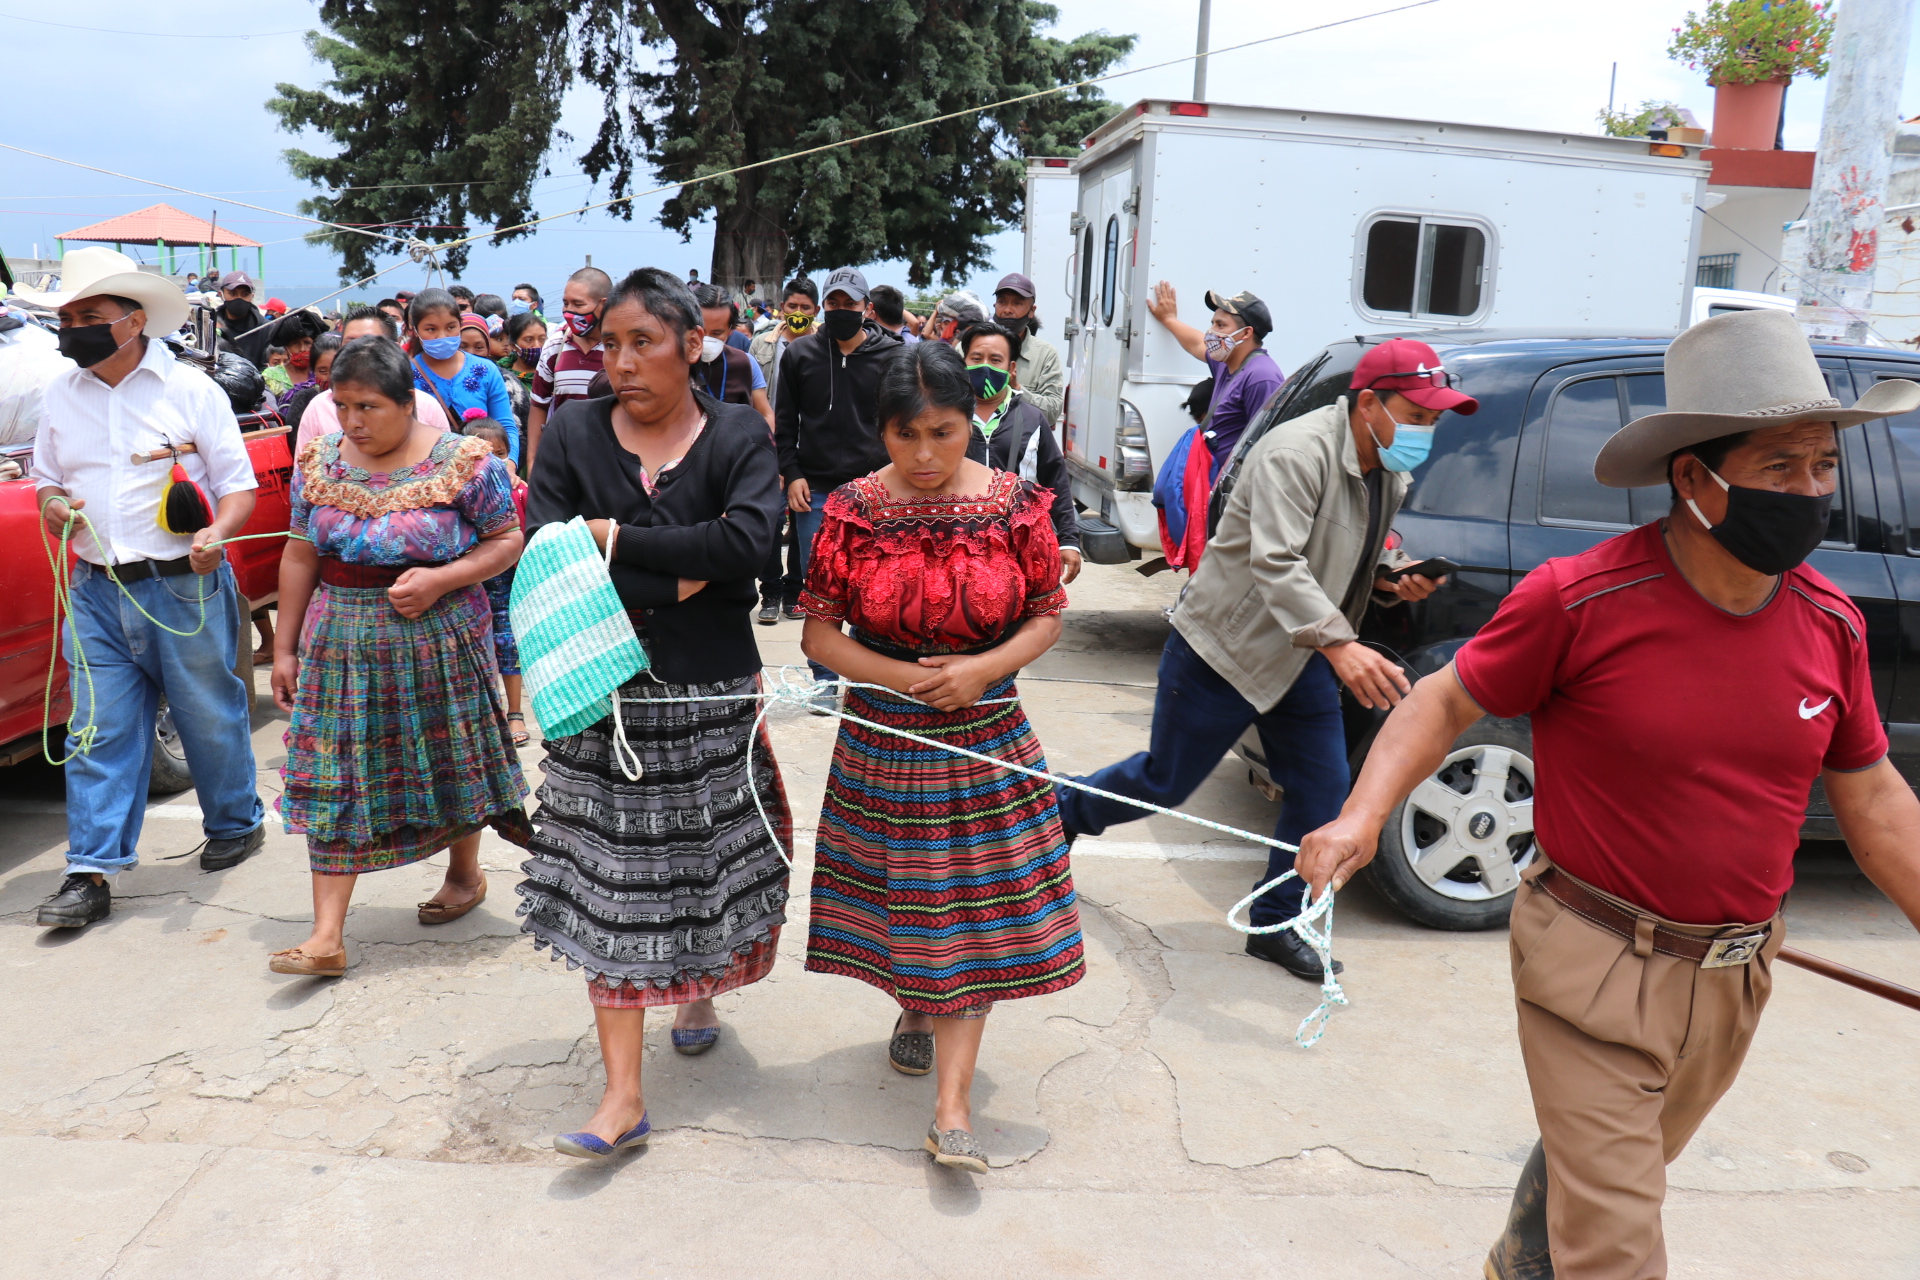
(1267, 631)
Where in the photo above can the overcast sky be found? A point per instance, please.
(189, 110)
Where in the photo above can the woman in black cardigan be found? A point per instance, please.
(669, 889)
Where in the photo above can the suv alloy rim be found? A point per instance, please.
(1468, 830)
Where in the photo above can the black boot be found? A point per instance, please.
(79, 902)
(218, 855)
(1521, 1253)
(1287, 950)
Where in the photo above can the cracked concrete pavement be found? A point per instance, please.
(168, 1106)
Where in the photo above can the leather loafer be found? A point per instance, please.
(1286, 950)
(221, 854)
(79, 902)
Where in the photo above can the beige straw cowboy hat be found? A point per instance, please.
(89, 273)
(1737, 372)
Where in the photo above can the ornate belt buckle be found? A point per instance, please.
(1725, 953)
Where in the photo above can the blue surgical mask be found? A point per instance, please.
(1410, 445)
(441, 348)
(519, 307)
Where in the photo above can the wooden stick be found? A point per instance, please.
(161, 455)
(1852, 977)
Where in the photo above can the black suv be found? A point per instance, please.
(1512, 486)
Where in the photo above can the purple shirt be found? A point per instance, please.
(1236, 398)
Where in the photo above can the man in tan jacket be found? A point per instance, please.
(1265, 633)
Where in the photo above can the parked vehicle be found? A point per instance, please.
(1343, 224)
(1046, 255)
(27, 641)
(1512, 486)
(1708, 303)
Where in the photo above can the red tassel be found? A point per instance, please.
(183, 508)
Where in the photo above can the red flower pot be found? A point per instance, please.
(1746, 117)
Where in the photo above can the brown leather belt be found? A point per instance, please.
(1708, 953)
(338, 573)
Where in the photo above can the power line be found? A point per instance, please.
(437, 248)
(203, 195)
(159, 35)
(285, 191)
(918, 124)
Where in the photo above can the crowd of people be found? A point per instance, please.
(896, 482)
(713, 445)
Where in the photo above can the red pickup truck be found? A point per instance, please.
(27, 641)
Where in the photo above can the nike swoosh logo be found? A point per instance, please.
(1808, 713)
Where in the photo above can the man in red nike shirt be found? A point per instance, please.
(1687, 683)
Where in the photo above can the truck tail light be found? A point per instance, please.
(1133, 469)
(1187, 109)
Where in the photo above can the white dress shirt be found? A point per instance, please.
(89, 432)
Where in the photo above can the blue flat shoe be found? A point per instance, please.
(593, 1147)
(696, 1040)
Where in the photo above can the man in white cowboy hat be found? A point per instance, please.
(175, 633)
(1696, 665)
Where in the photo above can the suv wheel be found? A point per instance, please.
(1451, 855)
(169, 775)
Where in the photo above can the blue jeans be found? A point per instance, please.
(805, 525)
(1197, 717)
(133, 664)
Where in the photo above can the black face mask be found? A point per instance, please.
(236, 308)
(88, 344)
(841, 325)
(1767, 531)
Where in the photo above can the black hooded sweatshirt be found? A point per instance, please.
(824, 422)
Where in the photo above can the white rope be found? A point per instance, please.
(797, 687)
(623, 753)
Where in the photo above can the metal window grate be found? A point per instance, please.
(1715, 270)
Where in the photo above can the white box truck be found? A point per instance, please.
(1053, 194)
(1342, 224)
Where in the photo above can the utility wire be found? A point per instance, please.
(1802, 277)
(291, 191)
(158, 35)
(441, 246)
(204, 195)
(918, 124)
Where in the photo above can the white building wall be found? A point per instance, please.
(1751, 222)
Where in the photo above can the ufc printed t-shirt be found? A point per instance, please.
(1674, 742)
(564, 372)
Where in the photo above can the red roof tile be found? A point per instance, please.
(158, 222)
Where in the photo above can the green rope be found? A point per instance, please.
(61, 563)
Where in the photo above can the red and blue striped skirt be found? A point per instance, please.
(941, 879)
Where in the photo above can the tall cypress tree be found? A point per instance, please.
(445, 113)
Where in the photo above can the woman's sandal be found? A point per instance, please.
(694, 1040)
(910, 1052)
(300, 963)
(520, 735)
(956, 1149)
(432, 912)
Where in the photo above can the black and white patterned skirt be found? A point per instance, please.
(664, 881)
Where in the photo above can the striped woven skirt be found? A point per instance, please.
(398, 743)
(669, 886)
(941, 879)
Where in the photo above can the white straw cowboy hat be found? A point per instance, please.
(88, 273)
(1737, 372)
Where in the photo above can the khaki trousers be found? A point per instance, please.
(1625, 1056)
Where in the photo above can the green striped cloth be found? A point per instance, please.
(576, 642)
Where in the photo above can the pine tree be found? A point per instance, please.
(458, 101)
